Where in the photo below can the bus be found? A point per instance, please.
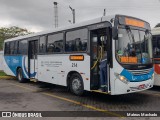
(156, 54)
(71, 56)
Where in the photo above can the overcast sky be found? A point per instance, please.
(38, 15)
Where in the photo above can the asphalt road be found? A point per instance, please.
(16, 96)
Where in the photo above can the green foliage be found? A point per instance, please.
(11, 32)
(2, 73)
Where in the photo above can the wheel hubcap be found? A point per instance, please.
(76, 84)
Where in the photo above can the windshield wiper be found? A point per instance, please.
(129, 32)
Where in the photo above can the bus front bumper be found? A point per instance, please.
(123, 88)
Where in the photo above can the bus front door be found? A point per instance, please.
(98, 50)
(32, 59)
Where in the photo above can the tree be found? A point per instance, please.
(11, 32)
(158, 25)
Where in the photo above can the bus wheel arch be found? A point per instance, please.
(75, 83)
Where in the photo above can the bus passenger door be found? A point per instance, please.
(32, 59)
(99, 40)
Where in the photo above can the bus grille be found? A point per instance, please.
(140, 72)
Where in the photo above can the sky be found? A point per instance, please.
(38, 15)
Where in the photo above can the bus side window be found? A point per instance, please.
(23, 47)
(78, 44)
(76, 41)
(55, 43)
(15, 47)
(69, 46)
(158, 46)
(50, 48)
(12, 47)
(7, 48)
(58, 46)
(154, 45)
(42, 44)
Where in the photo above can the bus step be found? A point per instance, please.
(33, 80)
(99, 91)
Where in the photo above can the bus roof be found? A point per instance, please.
(89, 22)
(156, 31)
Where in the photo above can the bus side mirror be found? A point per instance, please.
(115, 33)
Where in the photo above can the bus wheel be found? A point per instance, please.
(20, 77)
(76, 84)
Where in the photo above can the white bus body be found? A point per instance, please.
(67, 67)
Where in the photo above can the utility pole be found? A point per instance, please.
(56, 14)
(104, 13)
(73, 13)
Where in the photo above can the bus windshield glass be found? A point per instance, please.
(133, 46)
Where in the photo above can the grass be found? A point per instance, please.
(2, 73)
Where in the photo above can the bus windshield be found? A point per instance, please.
(133, 46)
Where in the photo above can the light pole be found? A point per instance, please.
(104, 13)
(56, 13)
(73, 12)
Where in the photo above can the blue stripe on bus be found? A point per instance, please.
(136, 78)
(17, 61)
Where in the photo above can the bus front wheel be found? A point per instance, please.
(20, 77)
(76, 84)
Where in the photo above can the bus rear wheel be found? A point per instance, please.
(76, 84)
(20, 76)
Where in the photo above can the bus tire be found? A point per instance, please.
(20, 76)
(76, 84)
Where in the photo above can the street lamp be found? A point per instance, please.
(73, 12)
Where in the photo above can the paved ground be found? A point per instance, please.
(16, 96)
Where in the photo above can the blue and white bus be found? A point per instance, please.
(71, 56)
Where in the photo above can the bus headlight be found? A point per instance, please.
(121, 78)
